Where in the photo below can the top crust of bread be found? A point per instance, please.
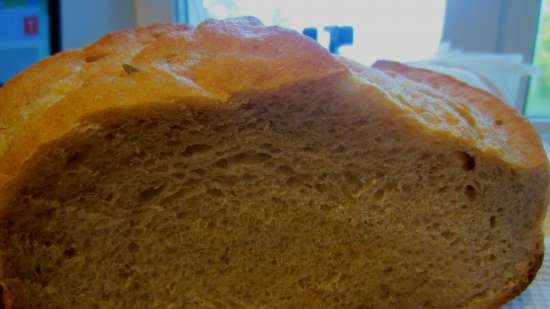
(221, 59)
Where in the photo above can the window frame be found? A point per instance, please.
(508, 27)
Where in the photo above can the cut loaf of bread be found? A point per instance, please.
(235, 165)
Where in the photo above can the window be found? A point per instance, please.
(538, 99)
(412, 33)
(28, 33)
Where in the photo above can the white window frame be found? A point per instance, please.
(501, 26)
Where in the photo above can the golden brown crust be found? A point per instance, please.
(520, 136)
(498, 125)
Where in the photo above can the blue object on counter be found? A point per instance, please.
(310, 32)
(339, 35)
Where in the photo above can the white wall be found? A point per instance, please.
(85, 21)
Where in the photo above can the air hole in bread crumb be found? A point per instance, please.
(108, 197)
(248, 157)
(6, 298)
(214, 192)
(455, 242)
(150, 193)
(221, 163)
(295, 180)
(133, 247)
(388, 269)
(379, 194)
(406, 188)
(493, 221)
(498, 122)
(284, 169)
(74, 159)
(199, 171)
(448, 235)
(327, 206)
(37, 270)
(470, 192)
(1, 296)
(267, 146)
(340, 149)
(109, 136)
(468, 161)
(384, 291)
(46, 213)
(320, 187)
(195, 149)
(69, 252)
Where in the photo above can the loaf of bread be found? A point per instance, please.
(234, 165)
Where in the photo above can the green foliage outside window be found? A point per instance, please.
(538, 100)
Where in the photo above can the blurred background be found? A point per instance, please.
(500, 45)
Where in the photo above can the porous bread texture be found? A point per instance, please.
(329, 187)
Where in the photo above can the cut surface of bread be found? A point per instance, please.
(242, 166)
